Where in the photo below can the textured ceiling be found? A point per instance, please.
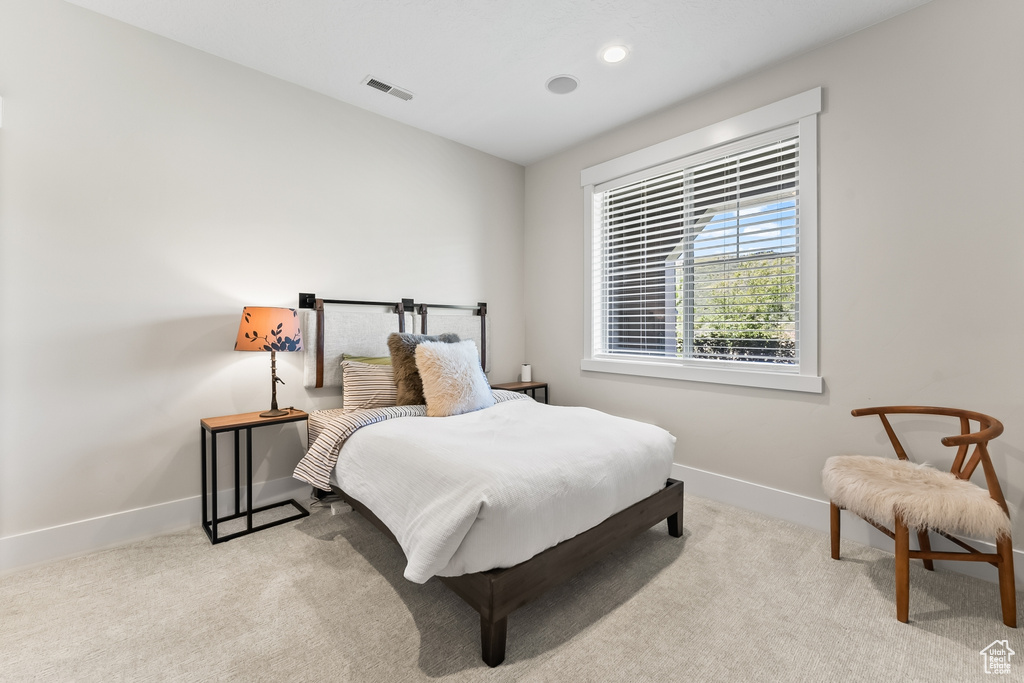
(478, 68)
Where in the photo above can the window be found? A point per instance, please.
(702, 259)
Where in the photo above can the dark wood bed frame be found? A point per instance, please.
(498, 592)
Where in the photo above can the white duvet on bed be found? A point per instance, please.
(495, 487)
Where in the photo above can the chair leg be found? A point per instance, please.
(1007, 589)
(834, 517)
(902, 571)
(925, 544)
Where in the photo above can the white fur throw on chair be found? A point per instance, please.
(926, 498)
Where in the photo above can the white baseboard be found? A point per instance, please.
(80, 538)
(814, 513)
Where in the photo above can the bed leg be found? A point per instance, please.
(675, 520)
(675, 527)
(492, 640)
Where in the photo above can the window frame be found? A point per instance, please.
(800, 110)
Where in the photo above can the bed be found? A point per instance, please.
(499, 503)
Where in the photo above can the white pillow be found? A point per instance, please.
(453, 381)
(367, 386)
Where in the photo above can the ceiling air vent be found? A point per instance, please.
(388, 88)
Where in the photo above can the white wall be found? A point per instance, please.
(148, 191)
(921, 249)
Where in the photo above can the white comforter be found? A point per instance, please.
(495, 487)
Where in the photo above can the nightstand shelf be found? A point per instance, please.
(212, 426)
(524, 388)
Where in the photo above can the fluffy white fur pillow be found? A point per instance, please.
(453, 381)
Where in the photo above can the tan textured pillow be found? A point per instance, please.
(402, 346)
(453, 381)
(370, 360)
(366, 386)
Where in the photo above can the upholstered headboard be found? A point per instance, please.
(332, 327)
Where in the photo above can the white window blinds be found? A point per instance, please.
(699, 259)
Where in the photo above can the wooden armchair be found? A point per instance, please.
(908, 496)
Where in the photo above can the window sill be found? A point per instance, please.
(742, 378)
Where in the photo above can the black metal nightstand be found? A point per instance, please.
(213, 426)
(525, 388)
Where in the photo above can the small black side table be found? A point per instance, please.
(236, 423)
(524, 388)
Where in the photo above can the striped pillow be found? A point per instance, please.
(367, 386)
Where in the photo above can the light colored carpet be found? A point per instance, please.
(740, 598)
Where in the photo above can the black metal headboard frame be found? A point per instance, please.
(402, 307)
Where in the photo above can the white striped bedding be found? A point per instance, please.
(329, 429)
(491, 488)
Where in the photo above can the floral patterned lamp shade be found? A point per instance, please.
(269, 329)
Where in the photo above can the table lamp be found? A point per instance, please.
(269, 329)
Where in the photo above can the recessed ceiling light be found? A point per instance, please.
(615, 53)
(561, 85)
